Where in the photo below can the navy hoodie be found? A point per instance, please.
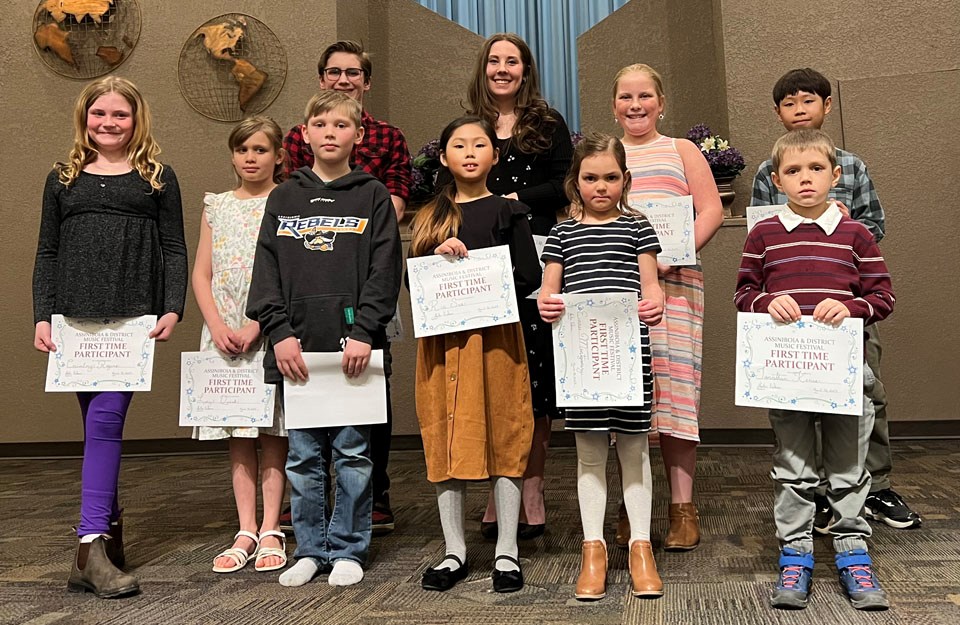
(328, 264)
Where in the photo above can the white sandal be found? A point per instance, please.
(266, 552)
(238, 555)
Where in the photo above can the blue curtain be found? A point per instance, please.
(550, 28)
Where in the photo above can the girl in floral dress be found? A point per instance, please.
(221, 281)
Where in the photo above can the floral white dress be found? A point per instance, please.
(235, 225)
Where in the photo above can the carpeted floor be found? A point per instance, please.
(179, 514)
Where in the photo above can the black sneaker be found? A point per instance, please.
(887, 506)
(823, 518)
(382, 518)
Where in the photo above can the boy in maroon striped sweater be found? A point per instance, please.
(816, 261)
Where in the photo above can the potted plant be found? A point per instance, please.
(726, 162)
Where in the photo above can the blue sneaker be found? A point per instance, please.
(796, 576)
(859, 581)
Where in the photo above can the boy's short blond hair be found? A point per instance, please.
(804, 139)
(329, 100)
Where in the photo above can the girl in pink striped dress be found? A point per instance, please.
(663, 167)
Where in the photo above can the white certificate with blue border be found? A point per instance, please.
(805, 365)
(450, 294)
(672, 218)
(596, 351)
(759, 213)
(224, 391)
(101, 354)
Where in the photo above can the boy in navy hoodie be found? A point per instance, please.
(326, 278)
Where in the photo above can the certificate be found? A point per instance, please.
(538, 241)
(449, 294)
(759, 213)
(596, 351)
(101, 354)
(805, 365)
(224, 391)
(330, 399)
(672, 218)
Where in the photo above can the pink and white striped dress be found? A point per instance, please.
(657, 172)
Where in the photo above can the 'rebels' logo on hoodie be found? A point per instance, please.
(319, 232)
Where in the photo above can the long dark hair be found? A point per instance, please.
(441, 218)
(535, 123)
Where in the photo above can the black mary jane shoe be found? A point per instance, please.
(525, 531)
(443, 578)
(507, 581)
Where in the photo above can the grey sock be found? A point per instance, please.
(506, 493)
(300, 573)
(450, 500)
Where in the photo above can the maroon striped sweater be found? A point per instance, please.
(811, 266)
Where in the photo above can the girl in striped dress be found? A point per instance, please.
(607, 248)
(663, 167)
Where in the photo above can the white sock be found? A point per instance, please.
(506, 493)
(450, 501)
(89, 538)
(592, 450)
(345, 573)
(634, 453)
(300, 573)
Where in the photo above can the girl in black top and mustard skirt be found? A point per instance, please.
(472, 387)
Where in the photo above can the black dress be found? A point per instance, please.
(537, 179)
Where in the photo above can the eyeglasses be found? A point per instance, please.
(333, 73)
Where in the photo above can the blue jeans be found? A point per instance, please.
(346, 534)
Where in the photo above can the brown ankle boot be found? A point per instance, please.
(623, 528)
(643, 570)
(93, 571)
(114, 546)
(684, 532)
(592, 583)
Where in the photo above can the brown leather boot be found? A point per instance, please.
(623, 528)
(684, 532)
(114, 546)
(93, 571)
(592, 583)
(643, 570)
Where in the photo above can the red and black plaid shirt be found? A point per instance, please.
(383, 154)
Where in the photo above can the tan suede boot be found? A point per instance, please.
(592, 583)
(93, 571)
(684, 532)
(643, 570)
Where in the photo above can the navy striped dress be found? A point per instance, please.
(602, 258)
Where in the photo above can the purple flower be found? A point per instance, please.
(698, 133)
(725, 161)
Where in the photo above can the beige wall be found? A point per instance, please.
(720, 60)
(35, 128)
(894, 106)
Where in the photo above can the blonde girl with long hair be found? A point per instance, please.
(111, 245)
(664, 167)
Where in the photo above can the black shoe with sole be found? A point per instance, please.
(443, 579)
(888, 506)
(507, 581)
(525, 531)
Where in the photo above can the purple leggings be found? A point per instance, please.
(103, 417)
